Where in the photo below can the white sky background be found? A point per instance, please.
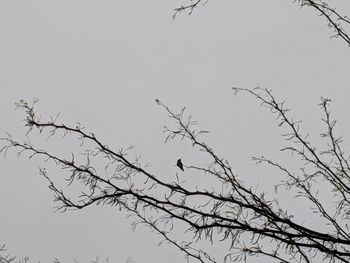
(103, 63)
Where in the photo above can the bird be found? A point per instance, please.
(179, 164)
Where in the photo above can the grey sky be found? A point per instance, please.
(103, 63)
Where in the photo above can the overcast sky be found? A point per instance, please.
(103, 63)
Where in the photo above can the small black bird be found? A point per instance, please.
(179, 164)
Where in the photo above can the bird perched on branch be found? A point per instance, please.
(179, 164)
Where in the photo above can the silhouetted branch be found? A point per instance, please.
(229, 211)
(6, 258)
(335, 20)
